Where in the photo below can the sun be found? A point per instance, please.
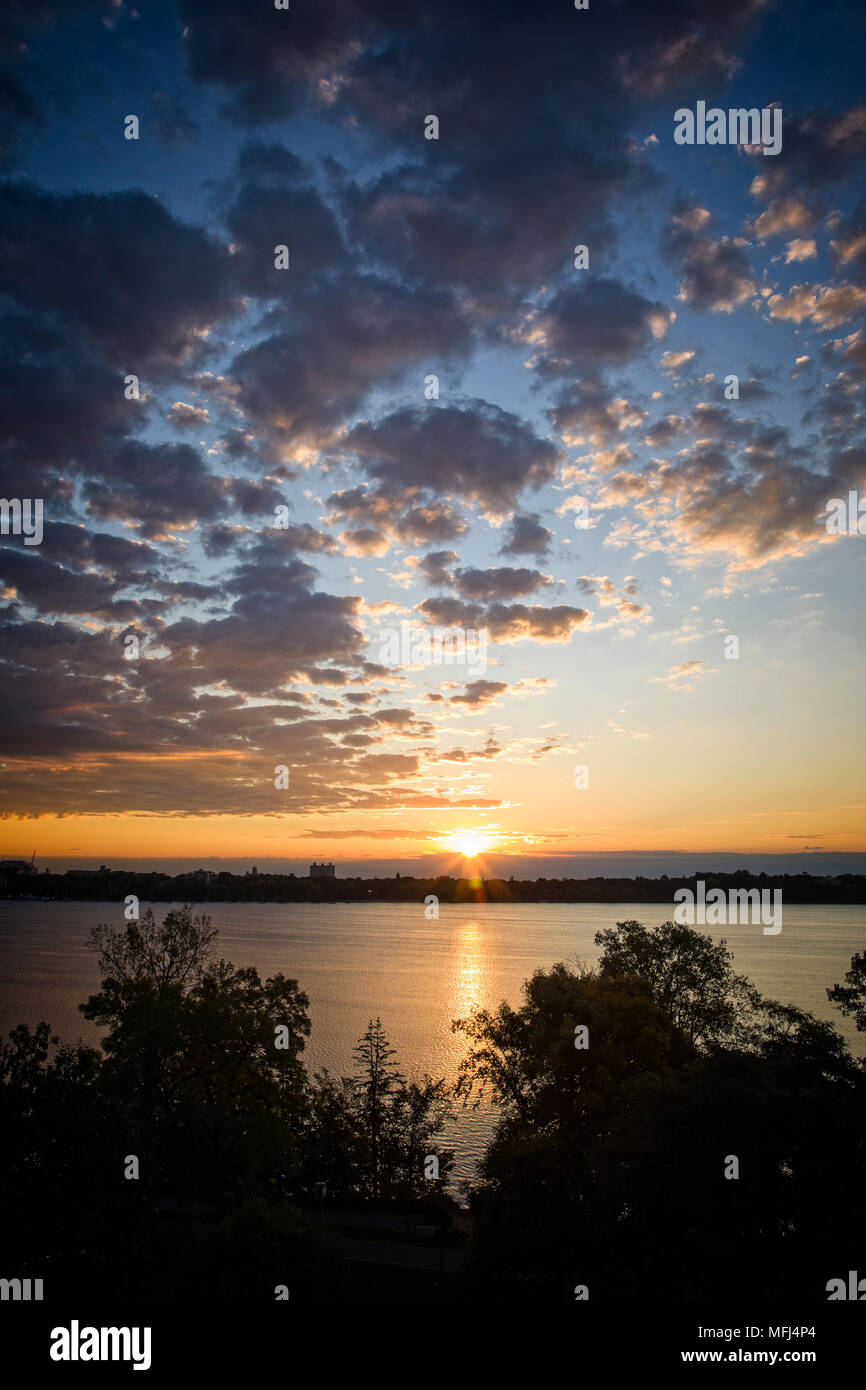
(469, 845)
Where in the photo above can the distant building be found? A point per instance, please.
(322, 871)
(17, 866)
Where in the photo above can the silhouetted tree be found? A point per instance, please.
(201, 1079)
(370, 1133)
(213, 1106)
(375, 1077)
(611, 1164)
(692, 979)
(851, 997)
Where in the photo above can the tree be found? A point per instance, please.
(415, 1113)
(62, 1203)
(691, 978)
(173, 953)
(374, 1079)
(192, 1061)
(607, 1166)
(851, 997)
(370, 1133)
(545, 1190)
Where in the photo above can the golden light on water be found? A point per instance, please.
(467, 971)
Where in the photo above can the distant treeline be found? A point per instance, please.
(114, 885)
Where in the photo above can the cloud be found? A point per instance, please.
(715, 273)
(848, 247)
(479, 694)
(746, 501)
(338, 339)
(515, 622)
(366, 540)
(187, 417)
(588, 327)
(827, 306)
(499, 583)
(478, 452)
(684, 47)
(683, 676)
(263, 216)
(664, 431)
(820, 149)
(368, 65)
(588, 412)
(800, 250)
(437, 568)
(784, 216)
(146, 310)
(670, 361)
(527, 536)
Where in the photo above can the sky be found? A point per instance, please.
(308, 382)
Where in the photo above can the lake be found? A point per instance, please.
(356, 961)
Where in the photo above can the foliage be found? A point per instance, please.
(692, 979)
(851, 997)
(608, 1165)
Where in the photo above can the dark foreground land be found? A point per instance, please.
(111, 885)
(664, 1133)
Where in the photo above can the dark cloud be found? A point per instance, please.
(588, 412)
(592, 325)
(263, 217)
(478, 694)
(262, 163)
(477, 452)
(514, 622)
(848, 246)
(388, 61)
(53, 589)
(468, 227)
(339, 340)
(527, 536)
(434, 522)
(499, 583)
(664, 431)
(437, 568)
(716, 275)
(819, 148)
(117, 269)
(153, 487)
(512, 134)
(58, 403)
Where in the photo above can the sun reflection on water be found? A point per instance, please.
(467, 969)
